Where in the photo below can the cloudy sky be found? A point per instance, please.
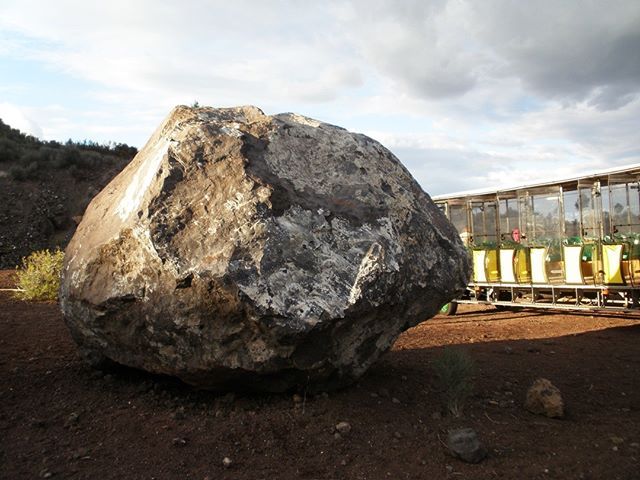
(468, 94)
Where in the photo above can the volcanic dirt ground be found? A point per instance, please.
(61, 419)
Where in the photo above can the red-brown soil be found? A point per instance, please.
(61, 419)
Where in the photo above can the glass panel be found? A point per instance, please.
(572, 217)
(624, 200)
(634, 205)
(589, 221)
(508, 219)
(545, 231)
(634, 208)
(458, 217)
(527, 224)
(620, 213)
(606, 215)
(546, 218)
(483, 220)
(490, 220)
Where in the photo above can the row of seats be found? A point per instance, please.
(576, 266)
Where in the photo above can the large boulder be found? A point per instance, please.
(246, 251)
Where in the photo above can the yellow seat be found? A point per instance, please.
(479, 273)
(611, 264)
(507, 271)
(514, 265)
(523, 265)
(634, 271)
(485, 266)
(538, 257)
(573, 264)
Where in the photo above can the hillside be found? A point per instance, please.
(45, 188)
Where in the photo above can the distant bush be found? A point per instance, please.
(123, 150)
(32, 156)
(25, 172)
(34, 159)
(47, 154)
(9, 150)
(454, 369)
(17, 172)
(91, 160)
(67, 157)
(39, 276)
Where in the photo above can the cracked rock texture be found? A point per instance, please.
(240, 251)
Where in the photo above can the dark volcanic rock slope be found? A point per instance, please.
(245, 251)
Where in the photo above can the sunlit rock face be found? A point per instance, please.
(240, 251)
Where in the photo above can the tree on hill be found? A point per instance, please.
(29, 158)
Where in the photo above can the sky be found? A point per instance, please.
(467, 94)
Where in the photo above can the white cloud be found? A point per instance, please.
(554, 142)
(20, 119)
(566, 50)
(221, 52)
(466, 93)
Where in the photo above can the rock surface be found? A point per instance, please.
(245, 251)
(544, 398)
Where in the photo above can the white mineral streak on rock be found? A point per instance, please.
(130, 201)
(236, 203)
(77, 275)
(300, 119)
(232, 131)
(372, 264)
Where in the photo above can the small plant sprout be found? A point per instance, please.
(454, 369)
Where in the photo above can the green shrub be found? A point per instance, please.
(454, 369)
(39, 276)
(67, 157)
(28, 172)
(47, 154)
(9, 150)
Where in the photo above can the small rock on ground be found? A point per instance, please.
(464, 444)
(179, 441)
(72, 419)
(179, 414)
(544, 398)
(343, 428)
